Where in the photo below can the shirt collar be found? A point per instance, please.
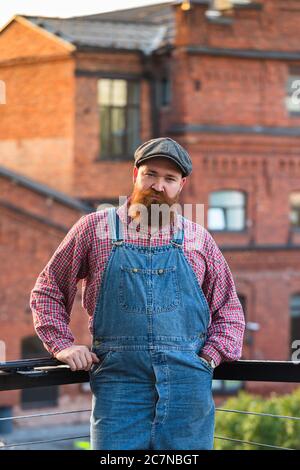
(122, 212)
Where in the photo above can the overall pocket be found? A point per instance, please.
(139, 288)
(204, 362)
(97, 367)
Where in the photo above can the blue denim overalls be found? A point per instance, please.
(151, 389)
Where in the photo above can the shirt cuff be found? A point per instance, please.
(213, 353)
(59, 346)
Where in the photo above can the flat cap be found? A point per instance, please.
(164, 147)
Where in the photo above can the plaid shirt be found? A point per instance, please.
(83, 254)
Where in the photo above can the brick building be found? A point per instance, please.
(33, 220)
(83, 92)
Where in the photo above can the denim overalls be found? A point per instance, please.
(151, 389)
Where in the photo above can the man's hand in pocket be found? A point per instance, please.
(77, 357)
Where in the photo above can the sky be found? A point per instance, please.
(9, 8)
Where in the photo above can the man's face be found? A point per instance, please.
(157, 181)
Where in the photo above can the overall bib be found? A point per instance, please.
(151, 390)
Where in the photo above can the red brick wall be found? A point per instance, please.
(245, 92)
(94, 178)
(37, 121)
(274, 27)
(26, 245)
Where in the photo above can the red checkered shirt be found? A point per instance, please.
(83, 254)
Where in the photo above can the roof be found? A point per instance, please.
(45, 190)
(157, 14)
(143, 29)
(138, 29)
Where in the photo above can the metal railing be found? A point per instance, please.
(41, 372)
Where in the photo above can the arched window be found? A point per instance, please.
(227, 210)
(292, 90)
(295, 210)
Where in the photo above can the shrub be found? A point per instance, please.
(260, 429)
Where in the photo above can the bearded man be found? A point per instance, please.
(163, 311)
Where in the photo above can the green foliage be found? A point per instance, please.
(259, 429)
(82, 445)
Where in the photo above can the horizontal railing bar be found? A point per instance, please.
(43, 442)
(258, 444)
(24, 374)
(30, 363)
(258, 414)
(253, 413)
(8, 418)
(88, 436)
(58, 376)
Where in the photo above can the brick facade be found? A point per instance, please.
(32, 224)
(228, 88)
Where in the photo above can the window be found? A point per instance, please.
(226, 210)
(119, 117)
(294, 320)
(292, 99)
(163, 92)
(295, 210)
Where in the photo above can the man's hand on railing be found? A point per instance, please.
(77, 357)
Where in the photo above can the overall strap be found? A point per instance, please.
(115, 226)
(178, 236)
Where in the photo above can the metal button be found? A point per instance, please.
(160, 271)
(135, 270)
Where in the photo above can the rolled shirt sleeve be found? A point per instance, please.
(53, 294)
(226, 330)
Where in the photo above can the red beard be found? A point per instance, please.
(148, 217)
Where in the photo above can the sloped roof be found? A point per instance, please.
(159, 13)
(141, 29)
(45, 190)
(143, 37)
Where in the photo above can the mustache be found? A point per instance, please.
(148, 193)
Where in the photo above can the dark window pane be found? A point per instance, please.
(133, 130)
(104, 129)
(165, 91)
(133, 93)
